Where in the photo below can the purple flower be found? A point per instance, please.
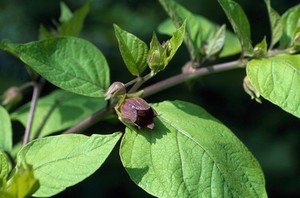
(138, 112)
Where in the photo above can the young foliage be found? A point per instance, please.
(70, 23)
(290, 23)
(133, 50)
(161, 54)
(240, 24)
(276, 24)
(4, 169)
(277, 79)
(57, 111)
(194, 156)
(70, 63)
(216, 43)
(5, 131)
(64, 160)
(22, 183)
(199, 30)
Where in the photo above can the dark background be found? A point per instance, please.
(271, 134)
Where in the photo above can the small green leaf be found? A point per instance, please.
(216, 43)
(133, 50)
(261, 49)
(160, 54)
(23, 182)
(71, 63)
(157, 55)
(71, 24)
(5, 131)
(65, 13)
(57, 111)
(44, 33)
(278, 80)
(190, 154)
(4, 169)
(276, 24)
(64, 160)
(240, 24)
(290, 23)
(175, 42)
(231, 46)
(196, 33)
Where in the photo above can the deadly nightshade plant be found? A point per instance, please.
(170, 148)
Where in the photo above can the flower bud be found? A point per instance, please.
(138, 112)
(114, 90)
(249, 89)
(11, 97)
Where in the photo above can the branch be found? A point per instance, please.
(36, 93)
(152, 89)
(180, 78)
(89, 121)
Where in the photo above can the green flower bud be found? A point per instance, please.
(114, 90)
(249, 89)
(11, 97)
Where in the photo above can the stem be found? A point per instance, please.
(175, 80)
(140, 81)
(36, 93)
(152, 89)
(89, 121)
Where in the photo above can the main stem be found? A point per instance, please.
(152, 89)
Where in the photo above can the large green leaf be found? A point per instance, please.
(5, 131)
(290, 22)
(231, 46)
(190, 154)
(57, 111)
(278, 80)
(133, 50)
(240, 24)
(276, 24)
(62, 161)
(71, 63)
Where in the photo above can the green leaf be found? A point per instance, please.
(231, 46)
(65, 13)
(196, 33)
(62, 161)
(175, 42)
(190, 154)
(261, 49)
(70, 63)
(290, 22)
(240, 24)
(216, 43)
(4, 169)
(71, 24)
(278, 80)
(22, 184)
(57, 111)
(44, 33)
(160, 54)
(5, 131)
(276, 24)
(133, 50)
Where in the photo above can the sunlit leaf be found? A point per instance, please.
(133, 50)
(278, 80)
(5, 131)
(190, 154)
(71, 63)
(62, 161)
(240, 24)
